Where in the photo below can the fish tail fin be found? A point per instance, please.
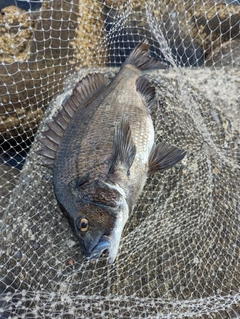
(141, 59)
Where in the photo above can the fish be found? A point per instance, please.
(101, 149)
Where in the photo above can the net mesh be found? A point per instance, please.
(179, 253)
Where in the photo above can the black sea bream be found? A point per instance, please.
(101, 149)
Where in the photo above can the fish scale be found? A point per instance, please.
(96, 148)
(101, 149)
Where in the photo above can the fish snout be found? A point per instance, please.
(110, 242)
(103, 244)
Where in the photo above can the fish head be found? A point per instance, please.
(101, 214)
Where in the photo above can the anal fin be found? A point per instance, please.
(124, 150)
(147, 90)
(164, 156)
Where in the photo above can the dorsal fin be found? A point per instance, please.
(141, 59)
(147, 90)
(83, 91)
(124, 150)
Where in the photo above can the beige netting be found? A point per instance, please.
(179, 255)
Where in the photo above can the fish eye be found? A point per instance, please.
(83, 224)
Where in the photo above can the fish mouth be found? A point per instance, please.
(110, 242)
(104, 243)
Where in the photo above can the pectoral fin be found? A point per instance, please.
(124, 150)
(164, 156)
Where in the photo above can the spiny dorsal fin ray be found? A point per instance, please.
(140, 58)
(164, 156)
(147, 90)
(48, 143)
(124, 150)
(81, 94)
(46, 152)
(88, 86)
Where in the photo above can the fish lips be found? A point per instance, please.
(109, 243)
(104, 243)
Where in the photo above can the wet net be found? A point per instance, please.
(179, 256)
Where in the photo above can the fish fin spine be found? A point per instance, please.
(164, 156)
(124, 150)
(83, 91)
(141, 59)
